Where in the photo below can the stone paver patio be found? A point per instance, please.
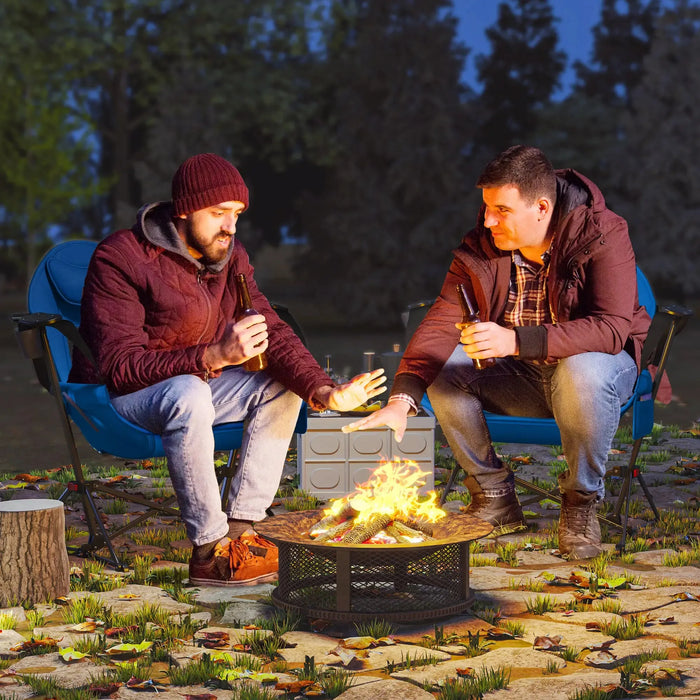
(556, 652)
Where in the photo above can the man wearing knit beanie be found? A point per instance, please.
(159, 314)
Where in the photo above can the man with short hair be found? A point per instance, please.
(159, 314)
(553, 274)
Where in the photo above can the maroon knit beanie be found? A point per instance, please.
(205, 180)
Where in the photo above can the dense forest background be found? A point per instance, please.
(350, 123)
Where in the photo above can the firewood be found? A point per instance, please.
(418, 524)
(347, 513)
(335, 531)
(404, 533)
(360, 533)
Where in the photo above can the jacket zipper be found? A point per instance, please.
(200, 277)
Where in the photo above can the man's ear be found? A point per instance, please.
(544, 206)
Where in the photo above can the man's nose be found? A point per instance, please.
(490, 220)
(230, 224)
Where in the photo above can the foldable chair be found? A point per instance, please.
(667, 322)
(46, 335)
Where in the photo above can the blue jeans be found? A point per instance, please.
(583, 393)
(183, 409)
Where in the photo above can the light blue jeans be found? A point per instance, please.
(183, 409)
(583, 393)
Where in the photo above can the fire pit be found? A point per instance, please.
(354, 582)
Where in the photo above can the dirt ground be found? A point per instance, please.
(32, 437)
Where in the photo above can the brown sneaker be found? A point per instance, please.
(579, 530)
(233, 564)
(500, 507)
(260, 546)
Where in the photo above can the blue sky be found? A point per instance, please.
(577, 18)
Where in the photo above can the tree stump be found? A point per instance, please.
(33, 557)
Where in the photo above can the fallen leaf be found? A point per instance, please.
(578, 578)
(202, 696)
(30, 479)
(293, 686)
(119, 631)
(666, 674)
(547, 642)
(685, 596)
(137, 684)
(216, 640)
(666, 620)
(132, 649)
(498, 633)
(615, 690)
(36, 644)
(129, 596)
(87, 626)
(69, 654)
(593, 626)
(105, 690)
(603, 646)
(358, 642)
(602, 659)
(465, 672)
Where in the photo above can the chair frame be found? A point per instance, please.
(40, 335)
(667, 322)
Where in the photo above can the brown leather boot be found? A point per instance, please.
(498, 506)
(579, 530)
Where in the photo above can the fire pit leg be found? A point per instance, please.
(464, 569)
(342, 580)
(400, 576)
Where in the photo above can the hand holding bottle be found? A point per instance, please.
(242, 340)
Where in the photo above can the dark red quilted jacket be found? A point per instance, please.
(148, 314)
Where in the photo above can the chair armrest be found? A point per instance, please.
(28, 329)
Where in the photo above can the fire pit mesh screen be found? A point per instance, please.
(359, 582)
(377, 580)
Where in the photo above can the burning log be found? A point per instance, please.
(416, 524)
(332, 532)
(364, 531)
(347, 513)
(405, 534)
(390, 497)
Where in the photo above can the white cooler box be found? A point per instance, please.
(331, 462)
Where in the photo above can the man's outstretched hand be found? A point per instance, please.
(359, 390)
(394, 415)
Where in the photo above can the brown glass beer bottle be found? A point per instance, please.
(245, 308)
(469, 317)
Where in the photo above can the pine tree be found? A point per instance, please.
(382, 229)
(521, 72)
(621, 40)
(660, 171)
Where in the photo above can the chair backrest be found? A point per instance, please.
(645, 293)
(57, 287)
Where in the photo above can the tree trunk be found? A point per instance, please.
(33, 557)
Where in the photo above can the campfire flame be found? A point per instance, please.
(393, 490)
(390, 497)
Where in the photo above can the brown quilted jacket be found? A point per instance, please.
(149, 312)
(592, 290)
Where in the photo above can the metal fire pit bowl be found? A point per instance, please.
(354, 582)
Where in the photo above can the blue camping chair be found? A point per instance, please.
(46, 335)
(667, 322)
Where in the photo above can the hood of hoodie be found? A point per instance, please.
(155, 223)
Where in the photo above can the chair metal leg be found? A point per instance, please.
(450, 483)
(226, 475)
(632, 471)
